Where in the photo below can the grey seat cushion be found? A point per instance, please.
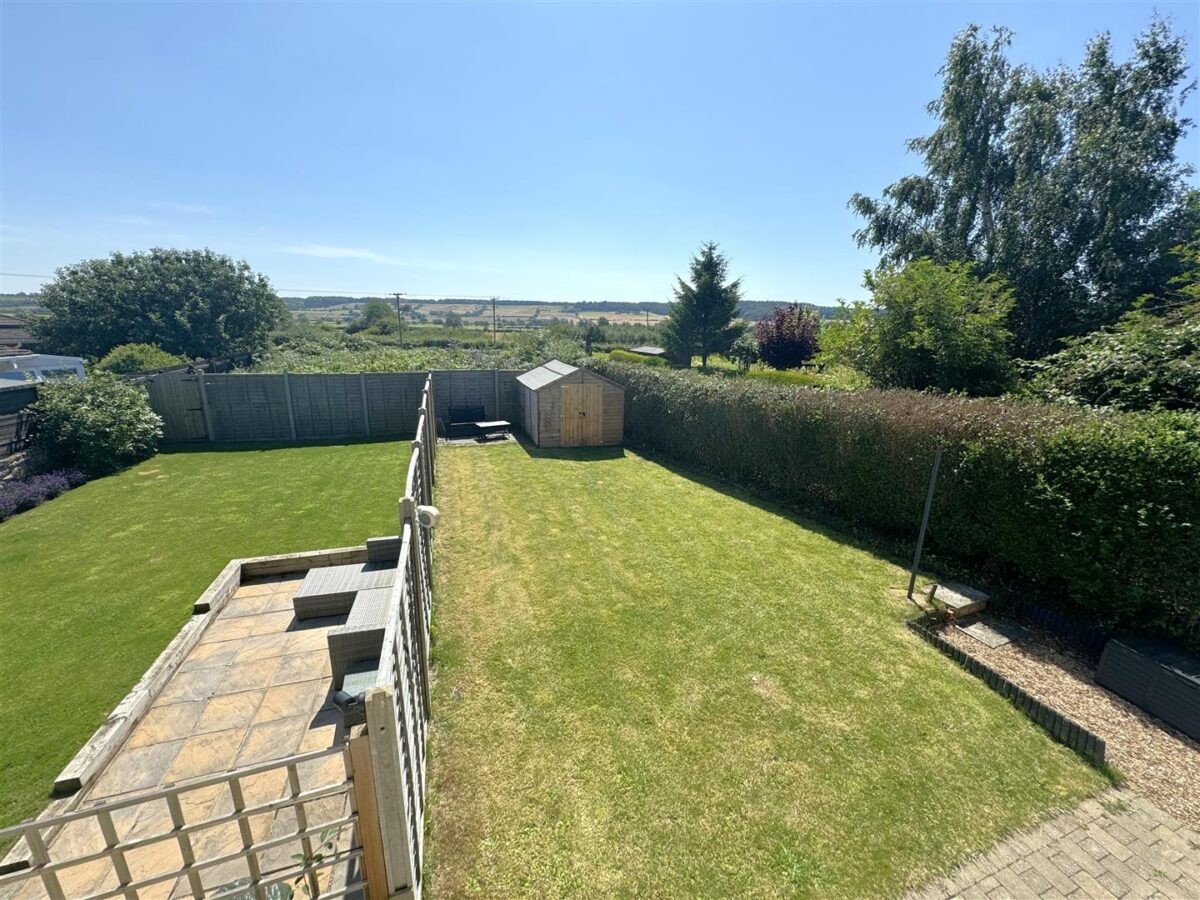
(330, 590)
(384, 549)
(361, 638)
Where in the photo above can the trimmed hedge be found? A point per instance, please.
(621, 355)
(1101, 509)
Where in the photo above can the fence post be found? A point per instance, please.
(208, 429)
(430, 427)
(362, 383)
(408, 515)
(369, 834)
(391, 800)
(287, 392)
(496, 394)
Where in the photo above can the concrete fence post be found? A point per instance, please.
(208, 429)
(287, 392)
(362, 384)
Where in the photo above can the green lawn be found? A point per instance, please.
(96, 582)
(647, 686)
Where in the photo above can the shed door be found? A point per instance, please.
(582, 414)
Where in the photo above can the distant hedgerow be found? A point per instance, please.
(1102, 508)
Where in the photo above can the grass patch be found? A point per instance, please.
(649, 686)
(96, 582)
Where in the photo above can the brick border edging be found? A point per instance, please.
(1059, 727)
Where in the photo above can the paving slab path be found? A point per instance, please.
(1116, 845)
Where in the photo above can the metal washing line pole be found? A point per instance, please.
(937, 463)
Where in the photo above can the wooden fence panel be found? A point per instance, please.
(247, 407)
(326, 406)
(392, 399)
(243, 407)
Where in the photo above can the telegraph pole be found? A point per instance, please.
(399, 319)
(493, 320)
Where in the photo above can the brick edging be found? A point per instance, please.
(1062, 729)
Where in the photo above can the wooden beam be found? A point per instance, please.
(369, 836)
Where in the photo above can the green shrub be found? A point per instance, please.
(927, 326)
(129, 358)
(625, 356)
(1102, 510)
(99, 425)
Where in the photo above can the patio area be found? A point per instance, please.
(255, 688)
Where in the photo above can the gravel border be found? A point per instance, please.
(1158, 762)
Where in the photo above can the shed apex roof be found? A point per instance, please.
(648, 350)
(536, 379)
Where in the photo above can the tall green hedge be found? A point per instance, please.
(1101, 510)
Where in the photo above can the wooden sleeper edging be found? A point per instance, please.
(1059, 727)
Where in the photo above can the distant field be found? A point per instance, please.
(480, 313)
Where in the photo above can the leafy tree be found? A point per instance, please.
(590, 333)
(700, 321)
(789, 337)
(928, 326)
(1149, 360)
(99, 425)
(454, 320)
(744, 351)
(1065, 182)
(196, 303)
(375, 314)
(128, 358)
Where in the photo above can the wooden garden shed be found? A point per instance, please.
(565, 406)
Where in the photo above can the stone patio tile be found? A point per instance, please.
(256, 791)
(263, 646)
(136, 769)
(155, 859)
(323, 699)
(272, 740)
(302, 667)
(217, 653)
(255, 590)
(325, 729)
(244, 606)
(229, 711)
(166, 723)
(286, 700)
(213, 843)
(76, 881)
(194, 684)
(205, 754)
(273, 623)
(228, 629)
(318, 773)
(308, 639)
(197, 804)
(247, 676)
(280, 601)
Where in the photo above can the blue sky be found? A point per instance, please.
(548, 152)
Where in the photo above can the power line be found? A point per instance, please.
(334, 292)
(346, 292)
